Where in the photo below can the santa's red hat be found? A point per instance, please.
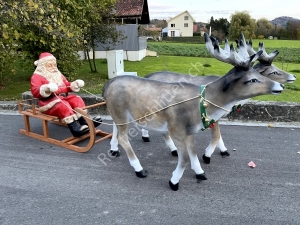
(45, 56)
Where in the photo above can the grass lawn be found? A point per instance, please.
(289, 50)
(16, 85)
(268, 43)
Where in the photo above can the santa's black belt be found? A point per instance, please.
(52, 95)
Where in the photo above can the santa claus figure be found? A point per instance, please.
(52, 89)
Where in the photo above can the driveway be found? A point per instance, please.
(45, 184)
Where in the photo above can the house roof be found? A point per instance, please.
(182, 14)
(133, 9)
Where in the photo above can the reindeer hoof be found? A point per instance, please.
(142, 173)
(206, 159)
(174, 187)
(146, 139)
(174, 153)
(225, 154)
(113, 153)
(200, 177)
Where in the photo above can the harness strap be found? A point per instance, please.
(207, 123)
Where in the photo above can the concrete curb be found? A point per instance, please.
(260, 111)
(268, 111)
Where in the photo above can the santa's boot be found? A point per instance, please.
(77, 130)
(96, 121)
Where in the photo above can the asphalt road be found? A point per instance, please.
(45, 184)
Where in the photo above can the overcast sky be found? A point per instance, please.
(202, 11)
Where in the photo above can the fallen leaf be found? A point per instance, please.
(270, 125)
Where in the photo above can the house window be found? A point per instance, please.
(186, 25)
(186, 17)
(172, 24)
(172, 33)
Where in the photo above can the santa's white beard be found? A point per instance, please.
(53, 76)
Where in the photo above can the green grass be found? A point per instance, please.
(16, 85)
(267, 42)
(276, 43)
(289, 50)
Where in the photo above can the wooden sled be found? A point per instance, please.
(28, 109)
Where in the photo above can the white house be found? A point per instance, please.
(181, 25)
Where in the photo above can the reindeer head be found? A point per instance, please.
(264, 65)
(242, 81)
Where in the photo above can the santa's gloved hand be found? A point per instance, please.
(47, 89)
(51, 87)
(76, 85)
(80, 83)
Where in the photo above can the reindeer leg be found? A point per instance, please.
(215, 133)
(133, 160)
(182, 163)
(114, 150)
(168, 140)
(170, 144)
(145, 135)
(223, 149)
(195, 164)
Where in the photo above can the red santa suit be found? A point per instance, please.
(52, 91)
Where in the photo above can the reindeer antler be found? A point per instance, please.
(264, 58)
(242, 49)
(230, 56)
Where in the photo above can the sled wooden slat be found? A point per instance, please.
(94, 136)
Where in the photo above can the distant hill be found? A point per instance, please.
(282, 20)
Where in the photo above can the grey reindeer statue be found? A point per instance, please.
(264, 66)
(181, 118)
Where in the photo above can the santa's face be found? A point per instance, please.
(51, 66)
(50, 72)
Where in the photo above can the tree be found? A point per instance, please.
(264, 27)
(57, 26)
(8, 48)
(276, 30)
(161, 23)
(158, 23)
(241, 22)
(48, 26)
(293, 30)
(42, 26)
(100, 28)
(219, 27)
